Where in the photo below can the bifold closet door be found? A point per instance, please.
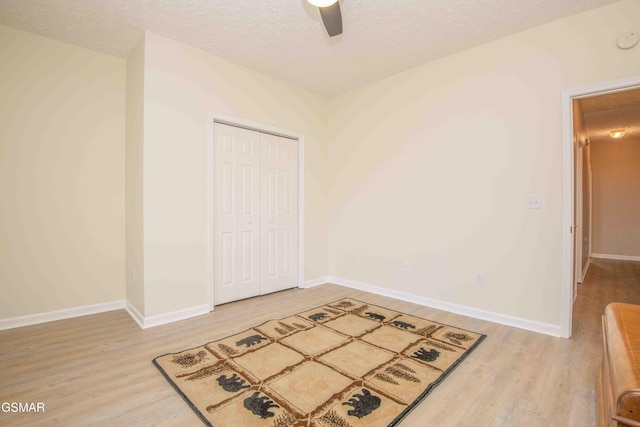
(237, 213)
(255, 213)
(279, 213)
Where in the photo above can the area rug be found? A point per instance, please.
(344, 364)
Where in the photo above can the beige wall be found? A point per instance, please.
(586, 206)
(616, 197)
(582, 206)
(433, 166)
(61, 175)
(134, 250)
(181, 85)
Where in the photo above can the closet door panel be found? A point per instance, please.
(248, 213)
(225, 214)
(279, 214)
(289, 212)
(236, 213)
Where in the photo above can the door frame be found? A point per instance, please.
(568, 185)
(579, 206)
(259, 127)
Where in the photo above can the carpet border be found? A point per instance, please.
(442, 377)
(393, 422)
(180, 393)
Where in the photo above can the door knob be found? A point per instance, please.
(270, 219)
(248, 221)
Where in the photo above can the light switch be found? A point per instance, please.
(534, 202)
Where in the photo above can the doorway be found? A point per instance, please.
(255, 212)
(570, 186)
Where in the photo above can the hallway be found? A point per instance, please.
(606, 281)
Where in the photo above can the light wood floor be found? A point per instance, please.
(97, 371)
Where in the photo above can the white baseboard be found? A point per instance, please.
(618, 257)
(516, 322)
(163, 319)
(316, 282)
(51, 316)
(135, 314)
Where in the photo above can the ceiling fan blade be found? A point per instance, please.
(332, 19)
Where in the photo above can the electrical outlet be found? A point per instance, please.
(353, 259)
(405, 266)
(534, 202)
(480, 279)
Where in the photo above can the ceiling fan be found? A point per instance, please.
(331, 16)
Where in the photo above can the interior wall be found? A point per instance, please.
(433, 166)
(580, 138)
(62, 175)
(616, 197)
(182, 85)
(134, 250)
(586, 206)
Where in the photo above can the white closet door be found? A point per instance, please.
(237, 213)
(279, 213)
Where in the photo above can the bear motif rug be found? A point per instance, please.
(344, 364)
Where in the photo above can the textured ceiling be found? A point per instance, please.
(604, 113)
(285, 38)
